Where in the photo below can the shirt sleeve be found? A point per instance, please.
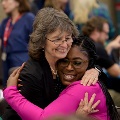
(66, 103)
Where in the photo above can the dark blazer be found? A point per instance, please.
(37, 84)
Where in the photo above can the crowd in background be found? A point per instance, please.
(92, 19)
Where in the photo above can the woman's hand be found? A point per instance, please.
(13, 79)
(87, 107)
(90, 77)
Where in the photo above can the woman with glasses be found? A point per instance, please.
(82, 56)
(50, 41)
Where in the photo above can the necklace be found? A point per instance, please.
(53, 71)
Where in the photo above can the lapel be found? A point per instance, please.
(48, 78)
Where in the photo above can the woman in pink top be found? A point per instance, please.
(81, 57)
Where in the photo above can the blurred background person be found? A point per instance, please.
(14, 33)
(82, 10)
(33, 6)
(58, 4)
(97, 29)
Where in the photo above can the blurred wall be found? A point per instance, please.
(2, 14)
(111, 5)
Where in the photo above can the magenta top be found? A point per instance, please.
(67, 102)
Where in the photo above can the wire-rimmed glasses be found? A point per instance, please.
(59, 41)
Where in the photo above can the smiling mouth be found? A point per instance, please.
(69, 77)
(62, 50)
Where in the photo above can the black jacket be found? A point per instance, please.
(38, 85)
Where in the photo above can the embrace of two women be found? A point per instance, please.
(54, 79)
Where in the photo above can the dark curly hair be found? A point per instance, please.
(86, 44)
(47, 21)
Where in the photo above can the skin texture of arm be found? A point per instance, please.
(65, 104)
(116, 68)
(115, 44)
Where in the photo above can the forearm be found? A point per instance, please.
(25, 109)
(109, 48)
(63, 105)
(116, 69)
(28, 111)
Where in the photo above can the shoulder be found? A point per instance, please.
(4, 21)
(2, 26)
(29, 15)
(98, 45)
(100, 48)
(78, 89)
(33, 68)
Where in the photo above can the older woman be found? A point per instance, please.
(50, 41)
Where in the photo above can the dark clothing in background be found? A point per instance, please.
(104, 60)
(17, 44)
(38, 85)
(40, 4)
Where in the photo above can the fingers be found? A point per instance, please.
(85, 78)
(92, 100)
(86, 98)
(81, 104)
(86, 106)
(96, 104)
(17, 71)
(87, 81)
(19, 80)
(90, 77)
(94, 111)
(95, 80)
(20, 68)
(19, 85)
(14, 72)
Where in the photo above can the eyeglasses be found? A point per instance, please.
(74, 63)
(106, 33)
(59, 41)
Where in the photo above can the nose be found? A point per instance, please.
(69, 67)
(64, 44)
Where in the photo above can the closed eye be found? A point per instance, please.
(77, 63)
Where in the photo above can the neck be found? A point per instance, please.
(93, 37)
(14, 16)
(51, 60)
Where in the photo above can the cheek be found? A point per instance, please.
(10, 7)
(49, 46)
(81, 72)
(14, 5)
(69, 45)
